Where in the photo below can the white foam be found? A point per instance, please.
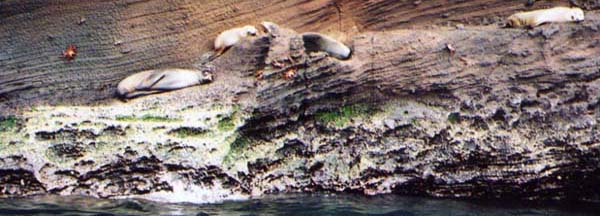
(191, 193)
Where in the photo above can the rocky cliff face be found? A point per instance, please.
(451, 111)
(120, 37)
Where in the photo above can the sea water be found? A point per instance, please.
(295, 204)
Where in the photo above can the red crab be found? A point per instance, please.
(70, 52)
(291, 73)
(259, 74)
(277, 64)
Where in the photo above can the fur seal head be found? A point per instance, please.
(577, 15)
(315, 42)
(156, 81)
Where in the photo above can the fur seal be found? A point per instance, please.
(232, 36)
(156, 81)
(538, 17)
(268, 27)
(314, 42)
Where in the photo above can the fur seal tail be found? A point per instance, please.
(315, 42)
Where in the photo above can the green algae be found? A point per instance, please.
(237, 144)
(342, 116)
(453, 118)
(190, 132)
(8, 123)
(226, 124)
(146, 118)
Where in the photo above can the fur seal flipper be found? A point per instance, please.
(156, 81)
(315, 42)
(152, 80)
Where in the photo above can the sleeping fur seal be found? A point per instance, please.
(161, 80)
(315, 42)
(537, 17)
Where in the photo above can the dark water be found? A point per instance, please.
(301, 204)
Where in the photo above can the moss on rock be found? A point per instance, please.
(7, 123)
(342, 116)
(146, 118)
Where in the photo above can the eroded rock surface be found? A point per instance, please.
(122, 37)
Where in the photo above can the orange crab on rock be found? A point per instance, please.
(259, 74)
(289, 74)
(70, 52)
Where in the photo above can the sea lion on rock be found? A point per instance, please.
(161, 80)
(315, 42)
(268, 27)
(538, 17)
(231, 37)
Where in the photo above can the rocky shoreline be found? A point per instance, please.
(403, 115)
